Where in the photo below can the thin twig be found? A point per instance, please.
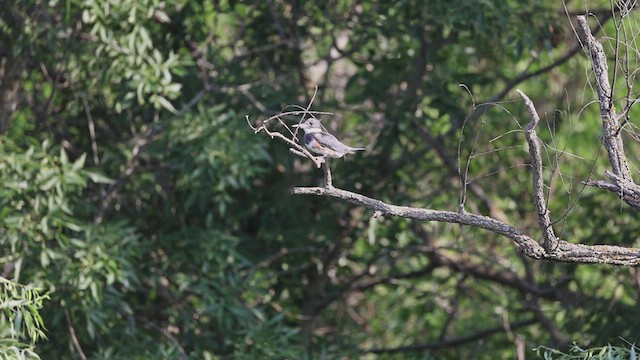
(452, 343)
(139, 144)
(297, 148)
(92, 130)
(74, 338)
(526, 75)
(166, 334)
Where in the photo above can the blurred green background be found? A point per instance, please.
(141, 217)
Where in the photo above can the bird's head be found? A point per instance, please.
(310, 125)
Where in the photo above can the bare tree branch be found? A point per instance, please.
(553, 249)
(566, 252)
(74, 338)
(611, 141)
(622, 180)
(453, 342)
(550, 239)
(625, 189)
(296, 147)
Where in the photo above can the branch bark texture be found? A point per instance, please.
(611, 140)
(620, 176)
(550, 239)
(566, 252)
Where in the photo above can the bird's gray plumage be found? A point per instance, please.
(323, 143)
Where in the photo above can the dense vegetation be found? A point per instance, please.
(140, 217)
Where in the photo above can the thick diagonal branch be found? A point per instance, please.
(620, 176)
(565, 251)
(612, 140)
(526, 244)
(550, 239)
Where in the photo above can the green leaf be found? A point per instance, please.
(163, 102)
(64, 159)
(97, 177)
(79, 163)
(50, 183)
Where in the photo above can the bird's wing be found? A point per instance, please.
(330, 141)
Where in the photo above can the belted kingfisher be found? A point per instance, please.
(323, 143)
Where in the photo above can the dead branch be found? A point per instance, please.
(328, 182)
(550, 239)
(622, 181)
(296, 147)
(625, 189)
(564, 251)
(74, 338)
(453, 343)
(611, 140)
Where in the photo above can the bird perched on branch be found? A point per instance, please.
(321, 142)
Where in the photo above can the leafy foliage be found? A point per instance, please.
(20, 320)
(604, 352)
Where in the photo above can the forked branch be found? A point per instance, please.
(564, 251)
(620, 176)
